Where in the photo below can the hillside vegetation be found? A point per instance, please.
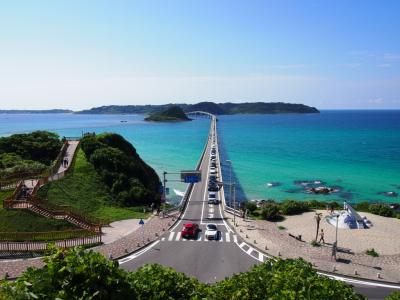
(28, 153)
(84, 189)
(210, 107)
(171, 114)
(129, 179)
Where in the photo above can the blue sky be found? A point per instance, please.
(80, 54)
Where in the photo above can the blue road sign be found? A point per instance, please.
(191, 179)
(141, 222)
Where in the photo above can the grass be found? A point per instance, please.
(281, 227)
(84, 189)
(26, 221)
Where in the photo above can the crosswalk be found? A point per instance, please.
(225, 237)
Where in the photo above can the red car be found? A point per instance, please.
(190, 230)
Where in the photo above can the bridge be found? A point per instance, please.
(201, 113)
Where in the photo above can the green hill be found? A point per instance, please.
(171, 114)
(210, 107)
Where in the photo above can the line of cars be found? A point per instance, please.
(191, 230)
(213, 187)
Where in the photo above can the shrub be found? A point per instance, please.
(393, 296)
(372, 252)
(291, 207)
(79, 274)
(381, 209)
(314, 243)
(251, 206)
(270, 211)
(362, 206)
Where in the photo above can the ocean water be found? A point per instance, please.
(169, 147)
(355, 152)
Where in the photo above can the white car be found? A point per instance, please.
(213, 171)
(212, 198)
(211, 232)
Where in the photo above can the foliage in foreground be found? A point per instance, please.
(79, 274)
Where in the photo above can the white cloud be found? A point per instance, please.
(392, 56)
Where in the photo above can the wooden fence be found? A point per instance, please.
(36, 246)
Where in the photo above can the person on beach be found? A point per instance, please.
(321, 238)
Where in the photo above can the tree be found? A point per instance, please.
(250, 205)
(318, 220)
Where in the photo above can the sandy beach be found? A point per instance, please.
(383, 236)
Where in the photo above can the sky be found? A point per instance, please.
(81, 54)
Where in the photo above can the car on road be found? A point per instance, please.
(212, 198)
(190, 230)
(213, 187)
(211, 232)
(213, 172)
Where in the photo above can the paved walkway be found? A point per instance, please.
(267, 237)
(69, 155)
(119, 229)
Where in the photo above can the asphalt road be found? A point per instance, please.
(211, 261)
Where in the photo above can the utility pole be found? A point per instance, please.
(164, 191)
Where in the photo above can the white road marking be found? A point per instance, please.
(221, 239)
(227, 237)
(163, 239)
(242, 244)
(178, 236)
(171, 236)
(210, 216)
(211, 210)
(260, 256)
(136, 254)
(249, 250)
(199, 237)
(235, 238)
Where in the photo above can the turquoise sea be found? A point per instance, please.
(355, 152)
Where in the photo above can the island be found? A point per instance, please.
(210, 107)
(172, 114)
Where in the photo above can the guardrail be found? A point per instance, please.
(181, 206)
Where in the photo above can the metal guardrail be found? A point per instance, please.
(181, 206)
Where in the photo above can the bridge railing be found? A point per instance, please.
(181, 206)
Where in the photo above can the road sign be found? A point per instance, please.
(166, 190)
(141, 222)
(190, 176)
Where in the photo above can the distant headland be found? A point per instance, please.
(210, 107)
(172, 114)
(32, 111)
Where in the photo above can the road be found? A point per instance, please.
(212, 261)
(209, 261)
